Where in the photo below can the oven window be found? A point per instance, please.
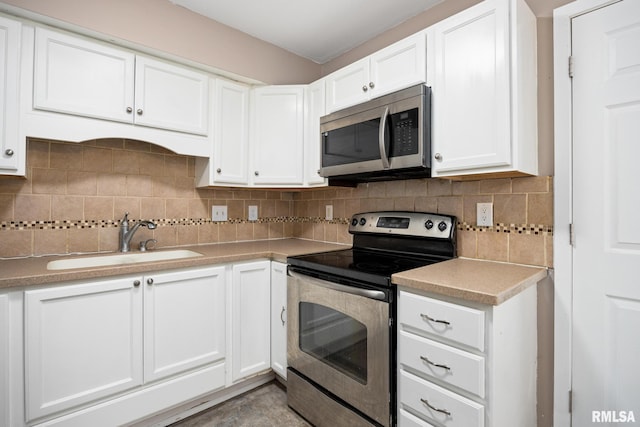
(335, 339)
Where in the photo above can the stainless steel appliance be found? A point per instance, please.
(382, 139)
(341, 337)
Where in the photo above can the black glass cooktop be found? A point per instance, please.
(360, 264)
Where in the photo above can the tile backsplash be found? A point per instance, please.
(75, 194)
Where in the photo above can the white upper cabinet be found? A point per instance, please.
(400, 65)
(171, 97)
(277, 135)
(484, 91)
(314, 109)
(13, 153)
(78, 76)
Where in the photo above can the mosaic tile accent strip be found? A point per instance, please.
(509, 228)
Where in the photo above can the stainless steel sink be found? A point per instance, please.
(120, 259)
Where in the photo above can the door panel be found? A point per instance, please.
(606, 129)
(184, 321)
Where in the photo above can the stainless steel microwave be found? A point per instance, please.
(382, 139)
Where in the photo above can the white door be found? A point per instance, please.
(471, 90)
(314, 110)
(77, 76)
(348, 86)
(82, 343)
(184, 321)
(606, 256)
(277, 135)
(11, 151)
(250, 317)
(400, 65)
(171, 97)
(231, 130)
(279, 318)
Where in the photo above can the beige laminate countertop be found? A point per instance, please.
(33, 271)
(486, 282)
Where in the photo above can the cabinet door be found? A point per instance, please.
(277, 135)
(251, 319)
(471, 95)
(82, 342)
(279, 318)
(399, 66)
(13, 151)
(314, 109)
(171, 97)
(76, 76)
(184, 321)
(231, 130)
(348, 86)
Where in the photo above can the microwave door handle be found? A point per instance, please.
(381, 142)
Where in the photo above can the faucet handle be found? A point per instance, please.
(145, 243)
(125, 218)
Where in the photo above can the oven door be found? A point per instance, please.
(339, 338)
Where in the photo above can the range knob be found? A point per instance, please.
(354, 222)
(428, 224)
(363, 221)
(442, 226)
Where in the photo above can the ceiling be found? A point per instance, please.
(317, 30)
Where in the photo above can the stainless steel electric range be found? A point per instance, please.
(342, 307)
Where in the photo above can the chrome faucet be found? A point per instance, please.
(126, 234)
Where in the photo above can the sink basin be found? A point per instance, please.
(120, 259)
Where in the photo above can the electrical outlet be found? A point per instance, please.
(253, 213)
(219, 213)
(328, 212)
(485, 214)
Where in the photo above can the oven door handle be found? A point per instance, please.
(367, 293)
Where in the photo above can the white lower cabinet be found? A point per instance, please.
(89, 343)
(463, 364)
(5, 332)
(250, 319)
(279, 318)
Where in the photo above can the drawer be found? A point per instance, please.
(406, 419)
(443, 319)
(439, 404)
(465, 370)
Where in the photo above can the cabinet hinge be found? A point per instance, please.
(570, 400)
(571, 67)
(572, 234)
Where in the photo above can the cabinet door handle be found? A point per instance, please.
(219, 170)
(149, 281)
(256, 173)
(136, 283)
(139, 111)
(431, 319)
(442, 411)
(129, 109)
(438, 157)
(281, 313)
(437, 365)
(365, 88)
(9, 152)
(372, 85)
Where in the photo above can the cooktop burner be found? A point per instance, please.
(385, 243)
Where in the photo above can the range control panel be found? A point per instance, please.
(417, 224)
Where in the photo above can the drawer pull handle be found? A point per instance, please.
(442, 411)
(281, 313)
(437, 365)
(431, 319)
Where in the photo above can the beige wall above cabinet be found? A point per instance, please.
(400, 65)
(12, 154)
(485, 92)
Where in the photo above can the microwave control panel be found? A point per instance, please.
(404, 133)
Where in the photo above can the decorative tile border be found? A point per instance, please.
(509, 228)
(81, 224)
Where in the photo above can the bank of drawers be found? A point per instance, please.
(442, 364)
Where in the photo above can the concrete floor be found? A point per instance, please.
(265, 406)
